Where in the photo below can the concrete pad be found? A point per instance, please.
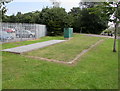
(27, 48)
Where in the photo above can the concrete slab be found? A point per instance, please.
(27, 48)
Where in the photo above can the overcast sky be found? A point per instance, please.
(25, 6)
(33, 5)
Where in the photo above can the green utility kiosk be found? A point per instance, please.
(68, 33)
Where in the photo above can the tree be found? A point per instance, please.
(12, 19)
(19, 17)
(116, 22)
(92, 23)
(83, 4)
(87, 22)
(56, 20)
(75, 13)
(108, 9)
(3, 9)
(30, 17)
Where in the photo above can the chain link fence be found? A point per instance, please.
(12, 32)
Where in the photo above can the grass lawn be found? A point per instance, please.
(65, 51)
(97, 69)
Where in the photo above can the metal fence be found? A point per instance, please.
(12, 32)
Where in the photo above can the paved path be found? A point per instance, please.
(31, 47)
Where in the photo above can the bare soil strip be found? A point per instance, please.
(70, 62)
(46, 59)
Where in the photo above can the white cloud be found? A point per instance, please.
(69, 4)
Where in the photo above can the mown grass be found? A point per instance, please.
(66, 51)
(21, 43)
(97, 69)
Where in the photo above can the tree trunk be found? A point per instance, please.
(115, 38)
(116, 26)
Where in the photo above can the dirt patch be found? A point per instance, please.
(18, 44)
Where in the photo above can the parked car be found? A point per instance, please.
(10, 30)
(5, 36)
(108, 32)
(25, 34)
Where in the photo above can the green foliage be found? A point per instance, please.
(75, 13)
(92, 23)
(3, 9)
(31, 17)
(87, 22)
(106, 9)
(56, 20)
(91, 19)
(83, 4)
(112, 8)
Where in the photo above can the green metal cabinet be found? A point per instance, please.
(68, 32)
